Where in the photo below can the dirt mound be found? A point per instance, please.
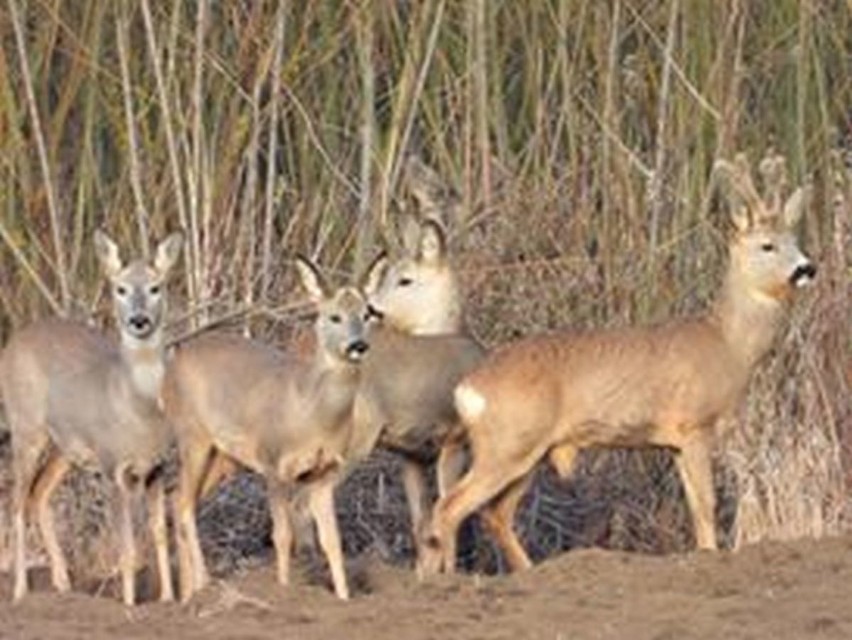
(772, 590)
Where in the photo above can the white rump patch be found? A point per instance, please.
(469, 402)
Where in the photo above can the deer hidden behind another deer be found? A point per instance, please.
(419, 352)
(74, 397)
(549, 396)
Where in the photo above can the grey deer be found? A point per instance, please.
(419, 352)
(234, 401)
(549, 396)
(76, 397)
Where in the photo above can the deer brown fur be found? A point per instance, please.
(549, 396)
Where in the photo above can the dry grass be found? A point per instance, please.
(580, 136)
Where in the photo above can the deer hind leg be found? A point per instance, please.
(452, 459)
(321, 504)
(696, 471)
(414, 482)
(219, 469)
(562, 459)
(451, 462)
(192, 570)
(155, 496)
(499, 519)
(51, 476)
(25, 460)
(487, 478)
(282, 528)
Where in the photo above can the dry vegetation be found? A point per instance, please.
(579, 135)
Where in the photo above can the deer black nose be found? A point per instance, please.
(804, 272)
(357, 349)
(140, 323)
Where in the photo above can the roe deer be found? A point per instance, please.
(235, 401)
(665, 386)
(418, 353)
(73, 397)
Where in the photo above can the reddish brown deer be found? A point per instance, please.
(549, 396)
(234, 401)
(74, 397)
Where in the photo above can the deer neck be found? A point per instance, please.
(326, 366)
(328, 384)
(748, 320)
(436, 320)
(144, 361)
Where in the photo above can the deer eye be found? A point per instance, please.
(405, 282)
(154, 289)
(768, 247)
(335, 318)
(372, 313)
(121, 290)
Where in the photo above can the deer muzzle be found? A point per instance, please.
(355, 350)
(140, 324)
(803, 274)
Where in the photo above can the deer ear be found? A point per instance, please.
(796, 205)
(108, 255)
(409, 233)
(312, 279)
(168, 252)
(375, 274)
(433, 243)
(740, 217)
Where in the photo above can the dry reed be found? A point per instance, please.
(579, 134)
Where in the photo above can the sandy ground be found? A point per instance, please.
(791, 590)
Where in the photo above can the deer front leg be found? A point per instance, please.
(192, 570)
(25, 461)
(126, 490)
(156, 498)
(321, 502)
(282, 530)
(694, 462)
(51, 476)
(414, 482)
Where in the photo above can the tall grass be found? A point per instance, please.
(580, 135)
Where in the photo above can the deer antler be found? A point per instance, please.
(738, 180)
(427, 188)
(773, 172)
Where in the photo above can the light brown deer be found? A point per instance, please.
(74, 397)
(549, 396)
(232, 400)
(418, 354)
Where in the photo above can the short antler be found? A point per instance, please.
(426, 187)
(773, 172)
(745, 200)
